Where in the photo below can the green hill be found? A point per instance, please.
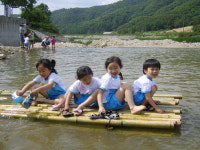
(128, 17)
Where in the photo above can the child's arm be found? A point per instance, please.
(100, 100)
(26, 88)
(67, 98)
(43, 88)
(152, 103)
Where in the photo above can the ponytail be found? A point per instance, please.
(53, 64)
(121, 77)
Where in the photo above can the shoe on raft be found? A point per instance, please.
(67, 113)
(102, 115)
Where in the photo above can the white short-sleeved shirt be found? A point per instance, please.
(52, 77)
(26, 39)
(143, 85)
(109, 83)
(79, 88)
(21, 28)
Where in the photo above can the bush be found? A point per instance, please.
(45, 27)
(197, 28)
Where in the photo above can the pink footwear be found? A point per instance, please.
(55, 108)
(62, 106)
(77, 112)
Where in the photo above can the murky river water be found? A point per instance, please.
(180, 74)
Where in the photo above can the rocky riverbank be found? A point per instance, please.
(6, 50)
(125, 41)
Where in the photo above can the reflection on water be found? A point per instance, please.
(179, 75)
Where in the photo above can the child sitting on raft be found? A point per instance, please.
(81, 89)
(47, 83)
(144, 88)
(111, 94)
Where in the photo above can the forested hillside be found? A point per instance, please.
(128, 17)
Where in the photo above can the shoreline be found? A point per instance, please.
(109, 41)
(124, 42)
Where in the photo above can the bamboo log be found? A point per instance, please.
(168, 119)
(167, 95)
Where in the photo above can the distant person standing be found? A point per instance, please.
(31, 40)
(26, 41)
(22, 31)
(53, 42)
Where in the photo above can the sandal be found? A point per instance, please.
(101, 115)
(67, 113)
(149, 107)
(77, 112)
(55, 108)
(114, 115)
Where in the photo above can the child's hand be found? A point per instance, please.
(102, 109)
(159, 110)
(19, 93)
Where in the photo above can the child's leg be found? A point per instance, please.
(59, 100)
(153, 91)
(46, 101)
(125, 91)
(44, 93)
(90, 100)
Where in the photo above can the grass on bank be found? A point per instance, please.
(178, 39)
(80, 40)
(189, 37)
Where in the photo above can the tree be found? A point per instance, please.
(39, 18)
(28, 4)
(40, 13)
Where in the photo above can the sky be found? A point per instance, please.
(59, 4)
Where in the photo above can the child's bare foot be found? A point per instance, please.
(137, 109)
(159, 110)
(34, 103)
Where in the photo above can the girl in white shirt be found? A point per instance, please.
(81, 89)
(111, 94)
(47, 83)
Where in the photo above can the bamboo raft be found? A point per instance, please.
(169, 119)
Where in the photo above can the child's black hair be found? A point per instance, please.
(83, 71)
(25, 34)
(151, 63)
(114, 59)
(50, 64)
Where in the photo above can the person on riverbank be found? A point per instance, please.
(111, 94)
(21, 34)
(26, 41)
(144, 88)
(81, 89)
(53, 42)
(47, 83)
(46, 42)
(31, 40)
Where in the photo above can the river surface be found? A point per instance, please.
(179, 74)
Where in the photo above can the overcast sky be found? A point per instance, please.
(59, 4)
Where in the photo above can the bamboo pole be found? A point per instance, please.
(125, 123)
(168, 119)
(167, 95)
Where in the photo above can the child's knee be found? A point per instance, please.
(125, 85)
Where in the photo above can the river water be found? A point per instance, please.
(179, 74)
